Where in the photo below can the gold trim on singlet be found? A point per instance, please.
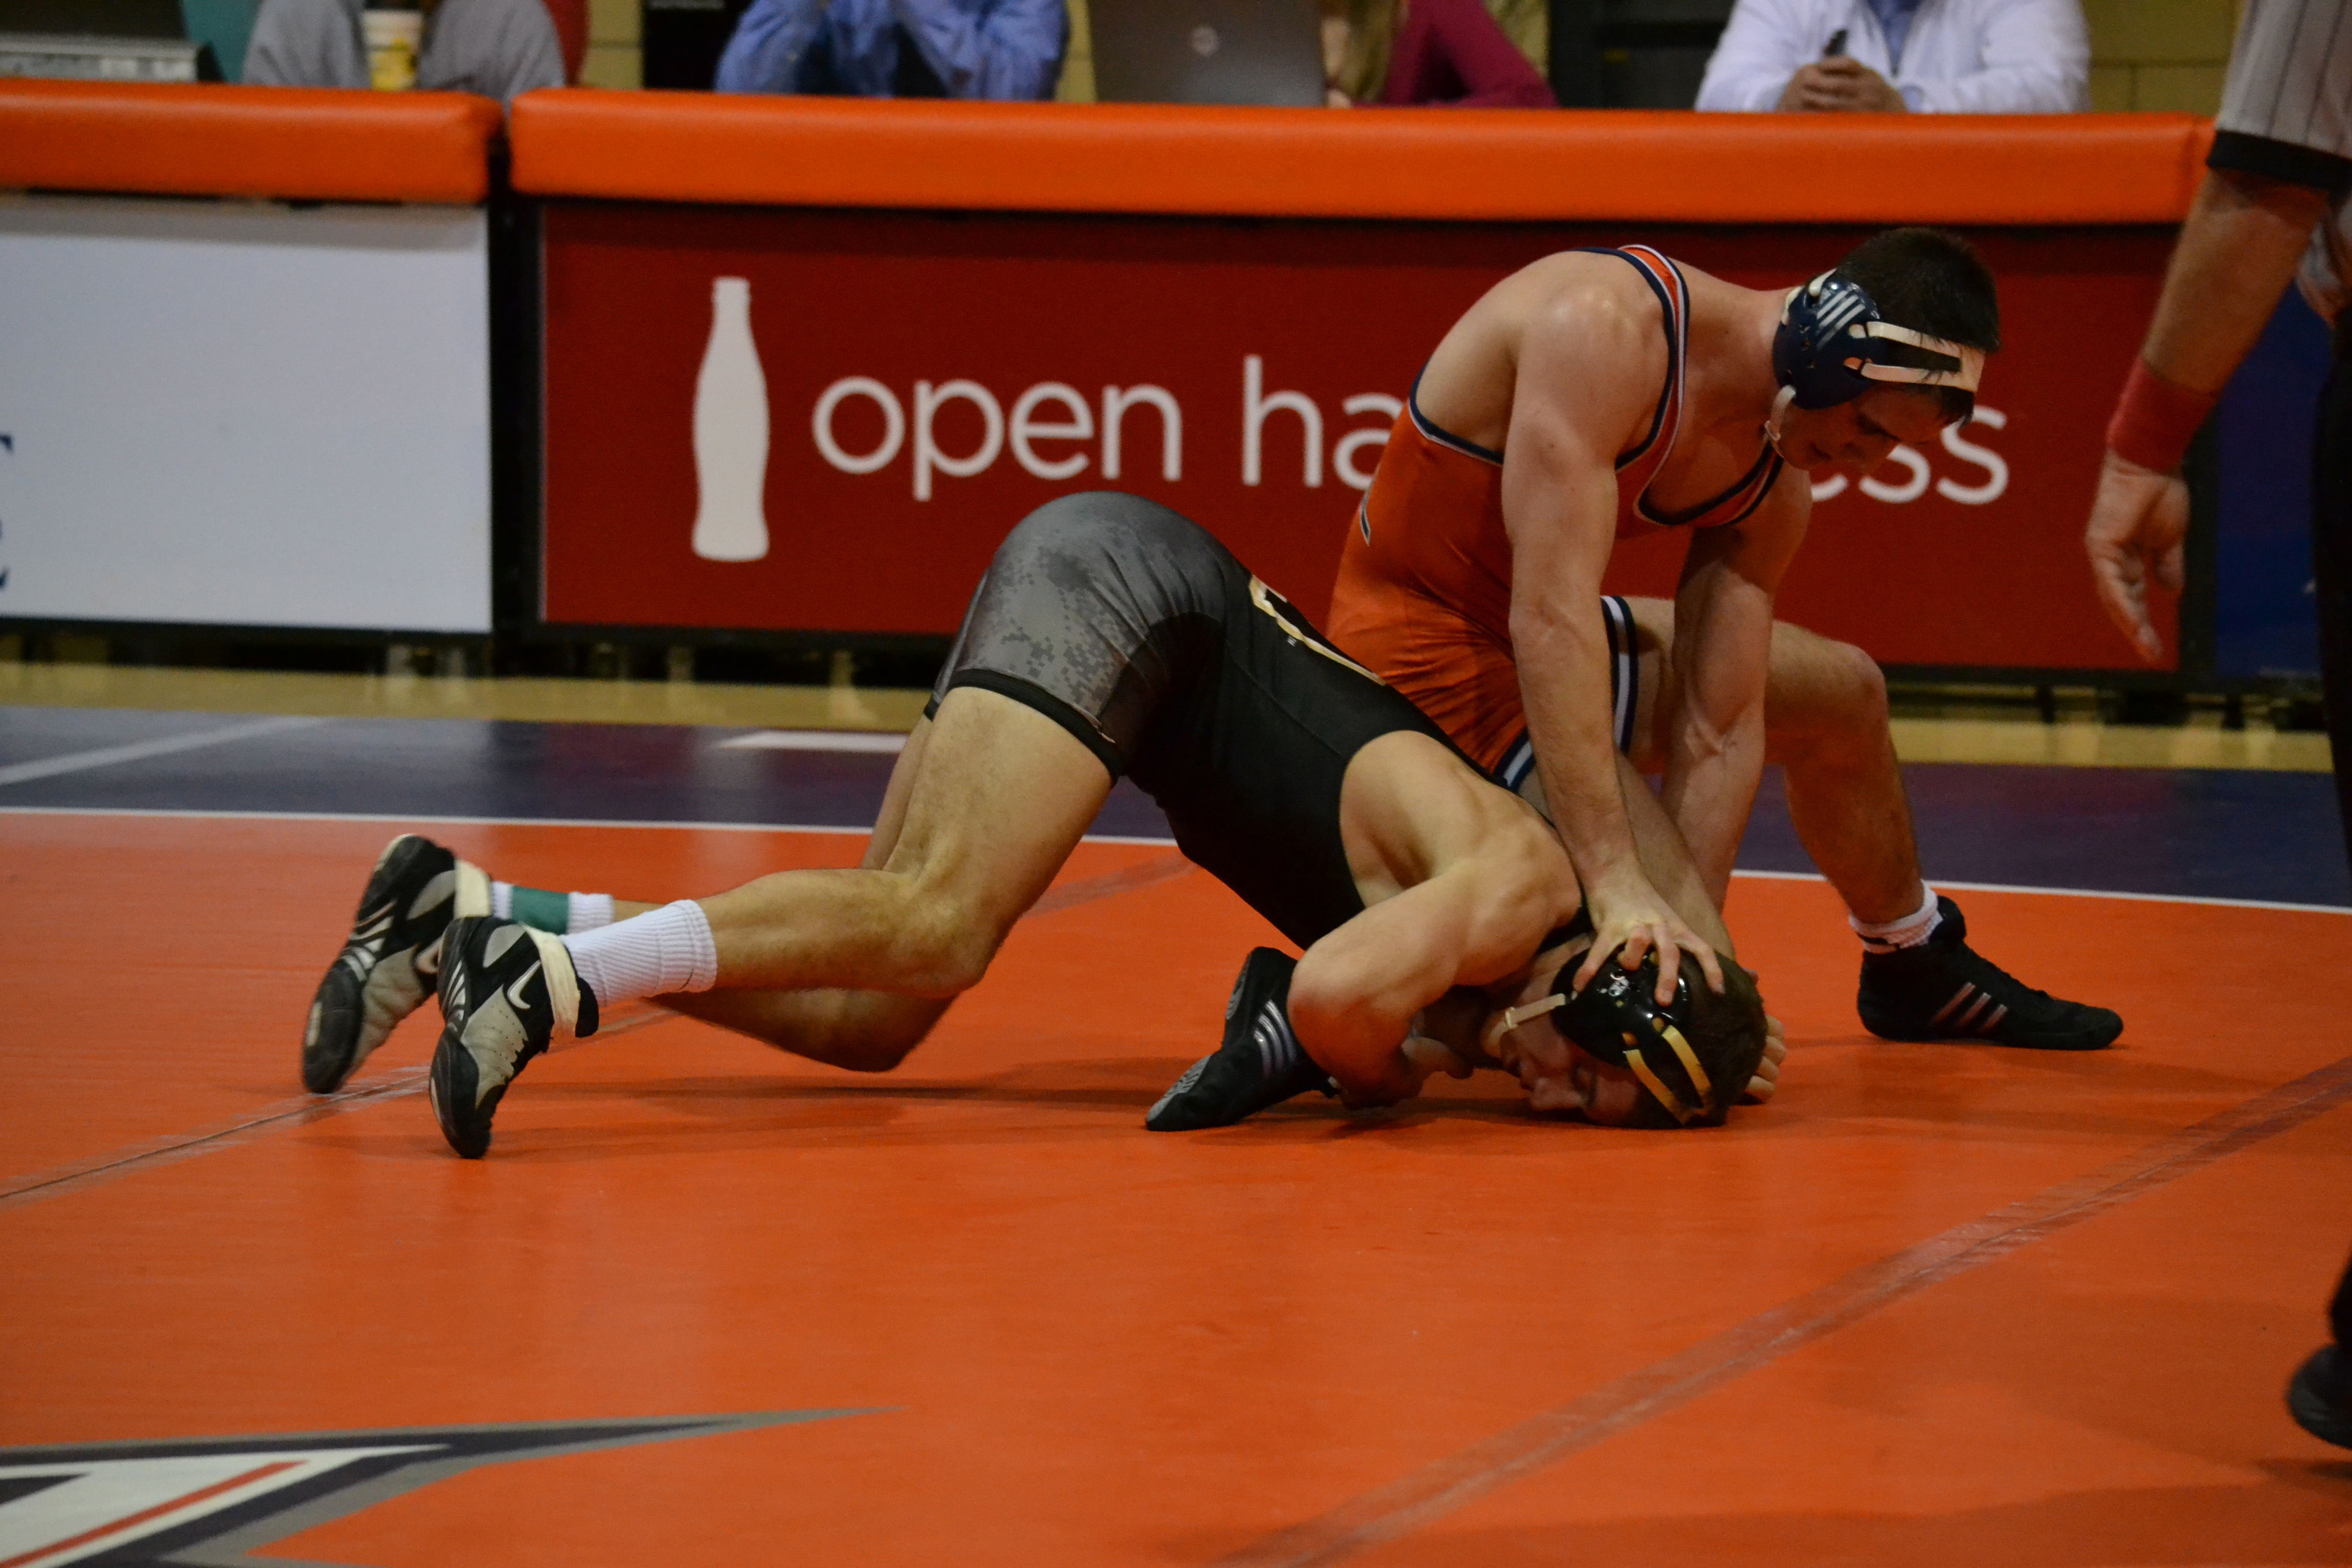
(1263, 597)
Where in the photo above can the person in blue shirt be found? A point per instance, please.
(897, 48)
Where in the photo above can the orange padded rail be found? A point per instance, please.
(1372, 162)
(297, 144)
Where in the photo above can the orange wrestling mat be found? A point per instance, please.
(1937, 1305)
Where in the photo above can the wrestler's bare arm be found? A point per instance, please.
(1460, 882)
(1723, 644)
(1588, 371)
(1355, 995)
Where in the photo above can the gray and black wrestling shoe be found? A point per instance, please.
(507, 992)
(392, 959)
(1258, 1063)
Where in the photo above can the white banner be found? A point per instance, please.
(243, 414)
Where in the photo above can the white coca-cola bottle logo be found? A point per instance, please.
(730, 432)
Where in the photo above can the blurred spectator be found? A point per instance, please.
(1424, 51)
(1528, 24)
(496, 47)
(897, 48)
(1932, 57)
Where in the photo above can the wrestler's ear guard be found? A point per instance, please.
(1831, 346)
(1618, 1020)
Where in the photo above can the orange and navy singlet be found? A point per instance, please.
(1423, 596)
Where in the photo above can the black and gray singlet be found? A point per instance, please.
(1136, 632)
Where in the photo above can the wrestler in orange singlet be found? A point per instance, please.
(1595, 394)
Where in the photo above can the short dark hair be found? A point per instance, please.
(1933, 281)
(1726, 1033)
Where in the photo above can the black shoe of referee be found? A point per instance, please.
(1942, 989)
(2319, 1397)
(1259, 1062)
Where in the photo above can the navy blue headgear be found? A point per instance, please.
(1831, 346)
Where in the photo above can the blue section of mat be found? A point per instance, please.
(2189, 832)
(2196, 833)
(465, 767)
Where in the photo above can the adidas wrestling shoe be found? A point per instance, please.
(389, 962)
(506, 990)
(1942, 989)
(1258, 1063)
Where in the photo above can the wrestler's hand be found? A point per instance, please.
(1632, 921)
(1760, 1087)
(1417, 1059)
(1553, 1093)
(2138, 519)
(1428, 1057)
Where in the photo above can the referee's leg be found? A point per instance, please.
(2331, 561)
(2320, 1396)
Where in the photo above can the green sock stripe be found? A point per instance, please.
(543, 910)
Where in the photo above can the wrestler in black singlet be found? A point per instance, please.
(1136, 632)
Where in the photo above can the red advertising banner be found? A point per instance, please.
(782, 420)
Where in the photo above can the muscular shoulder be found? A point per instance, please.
(1581, 333)
(1594, 303)
(1591, 349)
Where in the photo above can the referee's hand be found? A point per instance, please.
(2138, 519)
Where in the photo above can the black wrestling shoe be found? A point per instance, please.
(506, 990)
(390, 960)
(1940, 989)
(2319, 1396)
(1259, 1062)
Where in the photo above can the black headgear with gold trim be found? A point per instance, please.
(1617, 1018)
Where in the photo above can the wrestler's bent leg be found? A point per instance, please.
(999, 797)
(985, 805)
(1825, 722)
(996, 796)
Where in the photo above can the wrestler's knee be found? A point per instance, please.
(945, 944)
(1837, 691)
(869, 1051)
(1863, 687)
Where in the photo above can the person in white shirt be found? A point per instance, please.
(1895, 57)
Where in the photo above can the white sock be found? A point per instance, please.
(503, 900)
(658, 953)
(1894, 936)
(588, 911)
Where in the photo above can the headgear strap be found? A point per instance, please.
(1832, 345)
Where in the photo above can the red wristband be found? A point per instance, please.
(2155, 420)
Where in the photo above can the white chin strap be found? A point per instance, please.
(1772, 420)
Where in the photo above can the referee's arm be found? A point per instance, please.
(2282, 160)
(2237, 254)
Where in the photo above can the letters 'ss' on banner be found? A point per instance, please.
(928, 380)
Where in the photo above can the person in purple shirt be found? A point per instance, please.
(897, 48)
(1424, 51)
